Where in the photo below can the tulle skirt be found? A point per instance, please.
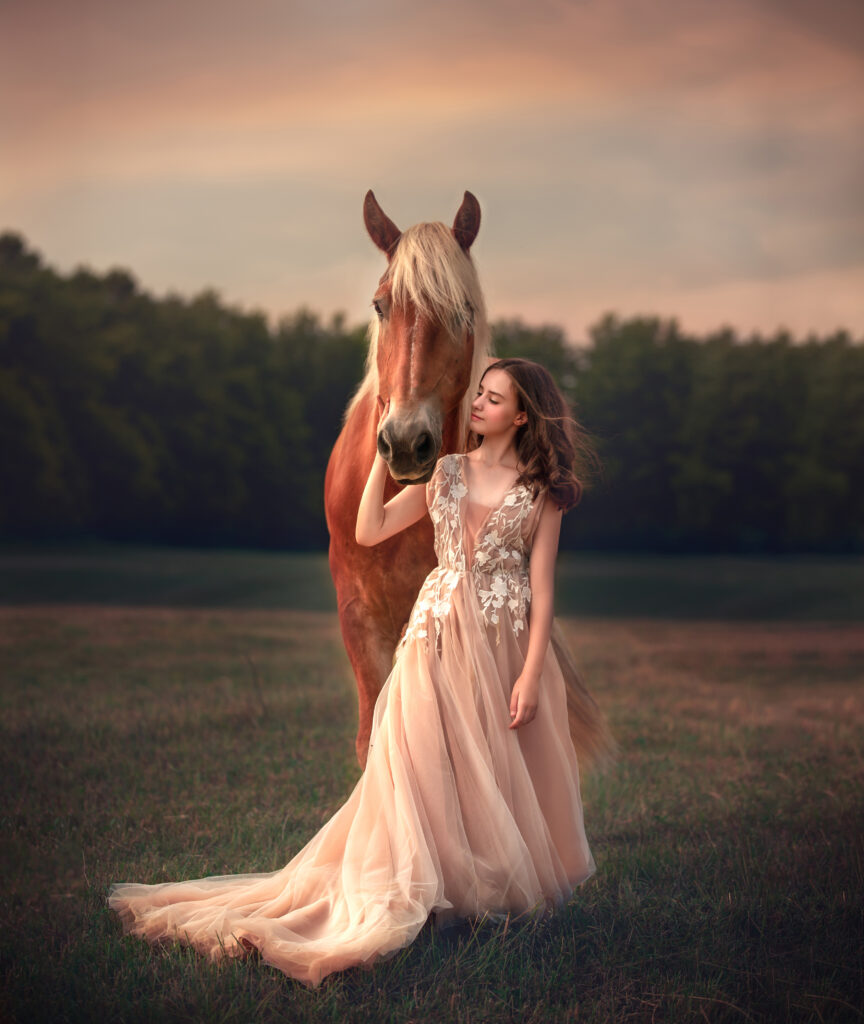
(456, 815)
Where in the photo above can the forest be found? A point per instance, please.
(176, 420)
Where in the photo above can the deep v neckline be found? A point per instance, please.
(490, 509)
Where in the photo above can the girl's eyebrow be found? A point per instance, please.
(495, 393)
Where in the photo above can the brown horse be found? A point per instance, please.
(429, 342)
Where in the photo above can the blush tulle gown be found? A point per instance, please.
(455, 813)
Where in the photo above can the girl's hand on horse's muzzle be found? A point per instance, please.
(383, 410)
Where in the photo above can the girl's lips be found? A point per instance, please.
(474, 416)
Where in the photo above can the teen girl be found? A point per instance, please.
(470, 802)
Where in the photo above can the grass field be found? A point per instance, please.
(147, 742)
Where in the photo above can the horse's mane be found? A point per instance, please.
(431, 269)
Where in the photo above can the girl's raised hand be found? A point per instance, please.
(383, 410)
(377, 520)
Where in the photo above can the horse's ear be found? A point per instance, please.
(467, 222)
(382, 230)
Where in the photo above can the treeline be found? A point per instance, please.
(128, 417)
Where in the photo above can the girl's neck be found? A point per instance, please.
(497, 451)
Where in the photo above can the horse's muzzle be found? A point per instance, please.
(410, 454)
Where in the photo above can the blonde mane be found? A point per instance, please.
(430, 269)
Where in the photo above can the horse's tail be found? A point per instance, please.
(595, 746)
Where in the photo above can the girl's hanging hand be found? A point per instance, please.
(523, 700)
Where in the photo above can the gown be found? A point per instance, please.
(455, 815)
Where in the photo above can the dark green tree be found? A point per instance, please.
(188, 421)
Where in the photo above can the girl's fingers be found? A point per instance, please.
(522, 715)
(383, 409)
(516, 713)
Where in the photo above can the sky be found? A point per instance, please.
(697, 159)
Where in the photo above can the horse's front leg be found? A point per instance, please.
(370, 651)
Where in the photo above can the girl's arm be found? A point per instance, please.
(525, 695)
(377, 521)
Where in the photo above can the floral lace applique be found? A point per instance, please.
(499, 568)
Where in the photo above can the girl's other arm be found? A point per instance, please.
(525, 694)
(377, 521)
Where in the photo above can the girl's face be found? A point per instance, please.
(495, 409)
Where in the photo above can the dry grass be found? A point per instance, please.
(150, 744)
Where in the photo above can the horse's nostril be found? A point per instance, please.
(384, 448)
(423, 449)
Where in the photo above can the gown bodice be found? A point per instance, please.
(497, 541)
(486, 549)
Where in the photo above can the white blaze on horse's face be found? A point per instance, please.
(424, 372)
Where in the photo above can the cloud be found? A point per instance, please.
(690, 152)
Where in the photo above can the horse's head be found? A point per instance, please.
(423, 355)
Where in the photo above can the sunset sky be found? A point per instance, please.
(688, 158)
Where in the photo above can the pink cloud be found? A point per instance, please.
(692, 153)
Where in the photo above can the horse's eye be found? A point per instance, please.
(377, 306)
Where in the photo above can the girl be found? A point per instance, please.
(470, 801)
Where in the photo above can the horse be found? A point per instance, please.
(429, 343)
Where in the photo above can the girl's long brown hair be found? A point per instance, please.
(553, 448)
